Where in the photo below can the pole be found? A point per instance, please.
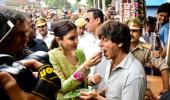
(103, 5)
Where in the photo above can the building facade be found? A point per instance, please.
(152, 6)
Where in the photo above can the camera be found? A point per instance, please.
(23, 76)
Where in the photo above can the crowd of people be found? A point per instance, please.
(110, 60)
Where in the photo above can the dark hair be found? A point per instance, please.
(28, 15)
(117, 32)
(97, 14)
(53, 15)
(151, 21)
(54, 44)
(165, 7)
(62, 27)
(9, 14)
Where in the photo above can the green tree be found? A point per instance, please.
(107, 2)
(51, 3)
(56, 3)
(90, 3)
(78, 0)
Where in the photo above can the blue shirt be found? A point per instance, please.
(164, 32)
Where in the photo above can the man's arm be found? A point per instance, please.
(14, 92)
(165, 79)
(159, 63)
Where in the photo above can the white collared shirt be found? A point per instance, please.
(47, 39)
(127, 81)
(87, 42)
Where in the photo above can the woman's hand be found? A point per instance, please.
(83, 71)
(95, 59)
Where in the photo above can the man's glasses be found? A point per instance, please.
(11, 25)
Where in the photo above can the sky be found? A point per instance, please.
(2, 2)
(83, 2)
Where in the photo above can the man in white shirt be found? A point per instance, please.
(42, 31)
(90, 44)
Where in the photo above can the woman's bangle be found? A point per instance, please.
(81, 74)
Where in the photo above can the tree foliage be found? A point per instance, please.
(90, 3)
(56, 3)
(107, 2)
(78, 0)
(51, 3)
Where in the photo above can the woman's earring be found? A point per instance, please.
(60, 45)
